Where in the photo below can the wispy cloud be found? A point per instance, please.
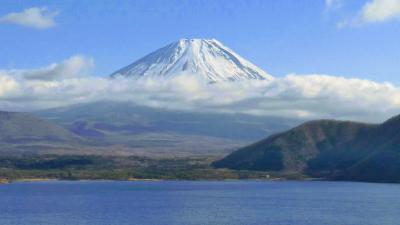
(301, 96)
(333, 4)
(36, 17)
(374, 11)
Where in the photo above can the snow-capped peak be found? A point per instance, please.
(207, 58)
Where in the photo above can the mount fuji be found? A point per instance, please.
(129, 128)
(205, 58)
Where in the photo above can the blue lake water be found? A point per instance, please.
(200, 203)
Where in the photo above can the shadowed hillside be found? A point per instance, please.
(327, 148)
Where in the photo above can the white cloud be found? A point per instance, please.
(36, 17)
(76, 66)
(381, 10)
(375, 11)
(7, 84)
(305, 96)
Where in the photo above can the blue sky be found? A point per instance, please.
(48, 49)
(281, 37)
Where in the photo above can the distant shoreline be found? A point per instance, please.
(32, 180)
(38, 180)
(42, 168)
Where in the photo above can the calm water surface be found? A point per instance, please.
(200, 203)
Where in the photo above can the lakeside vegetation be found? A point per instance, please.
(74, 167)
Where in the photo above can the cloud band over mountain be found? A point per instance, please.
(304, 96)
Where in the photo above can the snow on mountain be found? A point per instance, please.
(207, 58)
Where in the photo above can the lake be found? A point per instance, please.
(200, 203)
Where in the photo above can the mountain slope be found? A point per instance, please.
(205, 58)
(24, 130)
(335, 149)
(132, 125)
